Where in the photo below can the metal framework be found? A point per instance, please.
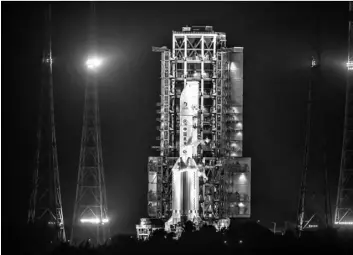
(303, 186)
(45, 201)
(344, 202)
(200, 54)
(90, 219)
(315, 77)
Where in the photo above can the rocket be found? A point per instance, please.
(185, 172)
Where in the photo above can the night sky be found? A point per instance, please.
(278, 40)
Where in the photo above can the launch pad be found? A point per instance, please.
(200, 175)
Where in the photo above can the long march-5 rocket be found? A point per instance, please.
(185, 172)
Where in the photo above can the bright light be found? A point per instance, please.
(350, 65)
(313, 62)
(234, 144)
(242, 177)
(94, 220)
(344, 223)
(313, 226)
(93, 63)
(241, 204)
(233, 154)
(233, 67)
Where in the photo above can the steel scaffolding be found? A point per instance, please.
(90, 219)
(344, 201)
(45, 199)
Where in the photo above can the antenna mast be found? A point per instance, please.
(90, 220)
(344, 202)
(45, 200)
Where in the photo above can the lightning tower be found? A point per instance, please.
(45, 200)
(301, 208)
(90, 219)
(344, 202)
(200, 175)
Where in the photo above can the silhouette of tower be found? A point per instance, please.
(344, 202)
(45, 208)
(303, 186)
(90, 211)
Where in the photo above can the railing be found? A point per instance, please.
(197, 58)
(208, 92)
(193, 74)
(207, 129)
(209, 109)
(208, 73)
(180, 74)
(207, 119)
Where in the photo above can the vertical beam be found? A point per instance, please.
(202, 47)
(214, 45)
(174, 42)
(301, 208)
(344, 204)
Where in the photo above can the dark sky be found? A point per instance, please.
(278, 41)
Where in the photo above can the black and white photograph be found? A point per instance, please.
(177, 127)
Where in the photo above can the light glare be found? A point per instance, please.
(242, 178)
(93, 63)
(94, 220)
(233, 67)
(344, 223)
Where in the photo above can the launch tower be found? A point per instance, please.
(45, 208)
(200, 174)
(90, 219)
(344, 202)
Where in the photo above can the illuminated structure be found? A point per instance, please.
(303, 186)
(200, 174)
(344, 202)
(90, 219)
(45, 201)
(147, 227)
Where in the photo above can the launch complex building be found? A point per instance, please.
(201, 174)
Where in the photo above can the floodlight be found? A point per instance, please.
(93, 62)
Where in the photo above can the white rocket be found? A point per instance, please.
(185, 173)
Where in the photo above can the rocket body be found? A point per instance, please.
(185, 185)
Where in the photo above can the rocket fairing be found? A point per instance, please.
(189, 109)
(185, 184)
